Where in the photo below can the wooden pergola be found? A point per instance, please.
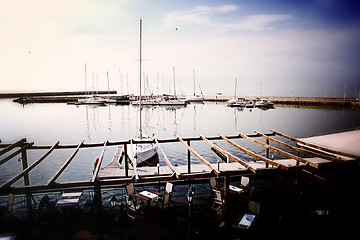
(103, 177)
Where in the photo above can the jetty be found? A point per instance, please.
(294, 162)
(303, 101)
(52, 94)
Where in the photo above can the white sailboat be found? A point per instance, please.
(90, 99)
(195, 98)
(238, 101)
(172, 100)
(142, 154)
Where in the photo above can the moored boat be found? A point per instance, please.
(173, 101)
(142, 154)
(250, 104)
(93, 100)
(239, 102)
(263, 103)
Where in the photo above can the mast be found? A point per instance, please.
(107, 75)
(174, 82)
(85, 82)
(140, 60)
(235, 87)
(194, 80)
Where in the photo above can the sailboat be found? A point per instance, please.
(91, 99)
(142, 154)
(195, 98)
(238, 101)
(168, 100)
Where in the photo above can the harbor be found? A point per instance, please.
(305, 173)
(72, 97)
(198, 120)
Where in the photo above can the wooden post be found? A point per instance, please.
(226, 193)
(188, 158)
(126, 161)
(267, 152)
(26, 179)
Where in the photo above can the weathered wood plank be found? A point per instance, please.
(254, 154)
(28, 169)
(11, 146)
(97, 169)
(314, 145)
(308, 152)
(198, 156)
(57, 174)
(4, 160)
(229, 155)
(299, 159)
(168, 163)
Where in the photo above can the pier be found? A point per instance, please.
(52, 94)
(66, 97)
(317, 161)
(304, 101)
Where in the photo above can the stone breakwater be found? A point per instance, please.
(296, 100)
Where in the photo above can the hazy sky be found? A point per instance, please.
(273, 47)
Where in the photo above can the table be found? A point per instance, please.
(69, 199)
(246, 220)
(236, 189)
(148, 196)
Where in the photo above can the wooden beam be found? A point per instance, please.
(314, 145)
(169, 164)
(11, 146)
(308, 152)
(4, 160)
(229, 155)
(57, 174)
(28, 169)
(97, 169)
(299, 159)
(198, 156)
(133, 160)
(255, 155)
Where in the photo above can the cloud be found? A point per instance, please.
(198, 15)
(258, 22)
(220, 9)
(205, 15)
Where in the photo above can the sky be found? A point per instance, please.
(269, 47)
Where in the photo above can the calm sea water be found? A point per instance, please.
(45, 124)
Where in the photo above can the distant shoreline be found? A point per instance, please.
(51, 94)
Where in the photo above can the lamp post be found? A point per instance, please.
(190, 196)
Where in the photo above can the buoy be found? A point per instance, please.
(96, 162)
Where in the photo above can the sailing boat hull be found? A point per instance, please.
(143, 154)
(195, 99)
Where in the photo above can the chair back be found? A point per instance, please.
(169, 188)
(213, 183)
(254, 207)
(10, 202)
(130, 189)
(217, 196)
(245, 181)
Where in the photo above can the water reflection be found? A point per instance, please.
(48, 123)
